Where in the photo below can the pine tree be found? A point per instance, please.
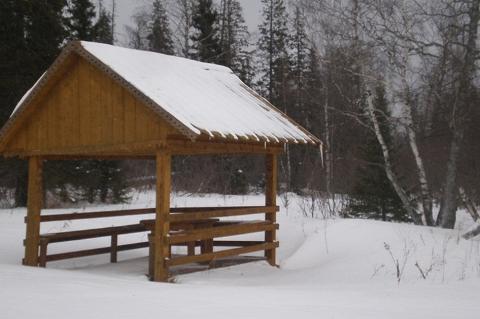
(31, 33)
(273, 52)
(234, 35)
(103, 28)
(80, 15)
(234, 41)
(160, 38)
(13, 51)
(182, 12)
(299, 46)
(373, 195)
(206, 42)
(274, 67)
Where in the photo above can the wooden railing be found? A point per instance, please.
(177, 213)
(189, 226)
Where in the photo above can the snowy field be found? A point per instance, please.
(329, 268)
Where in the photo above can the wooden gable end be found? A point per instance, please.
(85, 109)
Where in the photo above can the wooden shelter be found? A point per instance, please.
(104, 102)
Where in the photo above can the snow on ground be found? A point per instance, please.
(329, 268)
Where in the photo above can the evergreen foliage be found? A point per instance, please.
(206, 42)
(160, 38)
(31, 34)
(373, 195)
(274, 59)
(234, 40)
(80, 24)
(103, 28)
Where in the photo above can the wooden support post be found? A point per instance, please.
(42, 260)
(114, 248)
(162, 225)
(151, 252)
(34, 207)
(271, 200)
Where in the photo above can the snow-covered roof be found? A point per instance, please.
(194, 97)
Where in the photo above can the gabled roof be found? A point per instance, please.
(192, 96)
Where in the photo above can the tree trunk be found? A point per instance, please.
(460, 114)
(448, 207)
(328, 157)
(427, 204)
(469, 204)
(412, 212)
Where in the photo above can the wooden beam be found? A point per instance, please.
(187, 147)
(271, 200)
(99, 157)
(102, 214)
(226, 212)
(162, 226)
(180, 213)
(34, 207)
(237, 228)
(94, 251)
(221, 254)
(147, 150)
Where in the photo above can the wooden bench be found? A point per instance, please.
(112, 232)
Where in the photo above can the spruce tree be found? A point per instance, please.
(12, 85)
(103, 28)
(305, 83)
(31, 33)
(159, 37)
(274, 68)
(206, 42)
(373, 195)
(299, 45)
(80, 15)
(273, 52)
(234, 37)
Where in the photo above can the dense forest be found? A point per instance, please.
(390, 87)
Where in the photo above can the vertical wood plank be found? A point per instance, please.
(141, 118)
(106, 109)
(114, 248)
(32, 133)
(97, 113)
(162, 226)
(130, 121)
(75, 106)
(118, 114)
(34, 207)
(84, 101)
(271, 200)
(43, 129)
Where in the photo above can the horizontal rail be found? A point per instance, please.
(95, 251)
(143, 211)
(103, 214)
(92, 233)
(220, 254)
(221, 231)
(222, 212)
(225, 243)
(236, 243)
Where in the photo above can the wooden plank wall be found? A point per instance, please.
(87, 108)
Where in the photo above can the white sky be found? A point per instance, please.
(125, 9)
